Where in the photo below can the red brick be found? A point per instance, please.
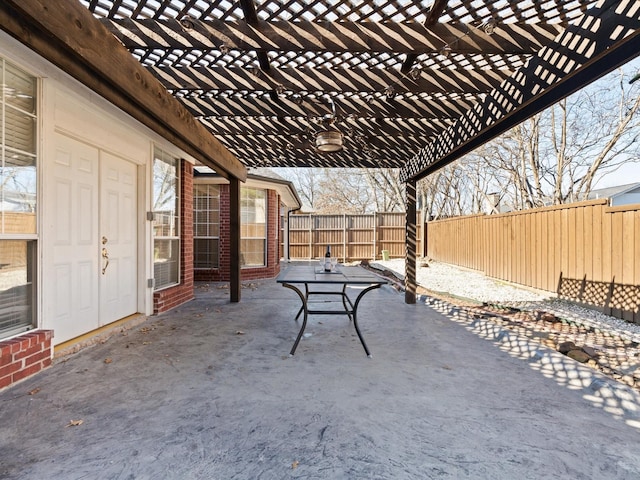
(10, 369)
(28, 352)
(25, 372)
(37, 357)
(47, 362)
(5, 381)
(15, 346)
(6, 359)
(5, 349)
(34, 339)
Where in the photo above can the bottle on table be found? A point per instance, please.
(327, 259)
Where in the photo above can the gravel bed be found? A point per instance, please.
(459, 282)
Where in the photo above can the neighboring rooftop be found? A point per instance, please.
(610, 192)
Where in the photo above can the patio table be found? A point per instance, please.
(309, 276)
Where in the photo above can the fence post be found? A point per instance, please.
(310, 236)
(375, 235)
(344, 237)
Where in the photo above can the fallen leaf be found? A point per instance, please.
(34, 391)
(75, 423)
(108, 360)
(295, 464)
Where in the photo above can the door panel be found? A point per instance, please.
(118, 234)
(70, 289)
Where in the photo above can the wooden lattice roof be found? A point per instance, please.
(398, 77)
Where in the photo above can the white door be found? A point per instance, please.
(90, 256)
(118, 238)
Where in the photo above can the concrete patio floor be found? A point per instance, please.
(208, 391)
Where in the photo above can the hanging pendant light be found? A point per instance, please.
(329, 141)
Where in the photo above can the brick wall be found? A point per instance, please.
(24, 356)
(171, 297)
(272, 269)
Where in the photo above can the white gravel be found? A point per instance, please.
(460, 282)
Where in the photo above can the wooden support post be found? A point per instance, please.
(234, 248)
(410, 282)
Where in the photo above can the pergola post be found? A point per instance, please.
(410, 283)
(234, 247)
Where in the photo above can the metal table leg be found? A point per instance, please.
(304, 301)
(345, 299)
(355, 317)
(303, 308)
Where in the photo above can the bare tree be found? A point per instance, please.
(343, 191)
(387, 189)
(558, 155)
(348, 190)
(445, 193)
(306, 181)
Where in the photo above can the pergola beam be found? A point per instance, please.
(337, 80)
(309, 157)
(432, 109)
(398, 128)
(432, 18)
(399, 147)
(306, 36)
(67, 35)
(606, 37)
(436, 11)
(251, 17)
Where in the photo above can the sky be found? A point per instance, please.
(629, 173)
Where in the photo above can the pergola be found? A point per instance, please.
(401, 84)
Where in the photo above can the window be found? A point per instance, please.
(166, 220)
(253, 227)
(206, 226)
(18, 235)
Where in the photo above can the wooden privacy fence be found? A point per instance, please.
(352, 237)
(587, 252)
